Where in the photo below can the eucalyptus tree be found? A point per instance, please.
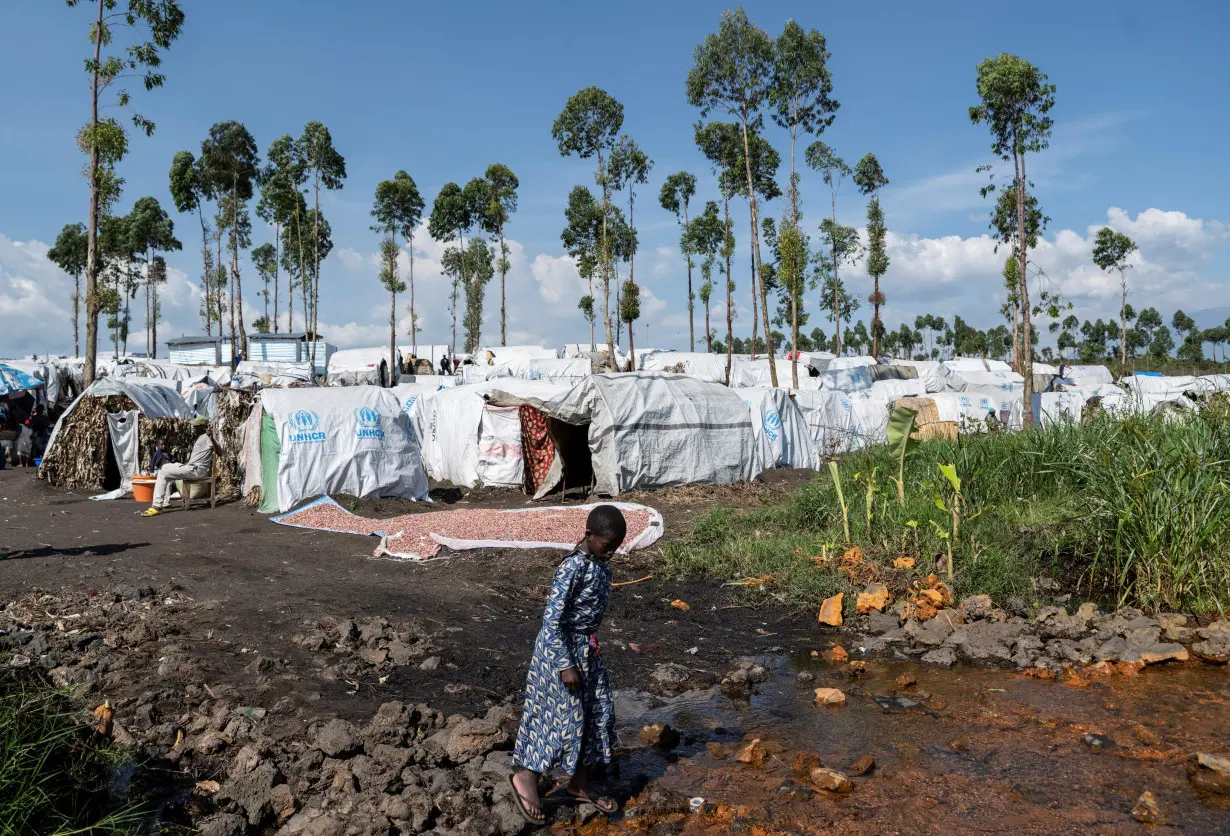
(190, 189)
(397, 209)
(801, 92)
(152, 232)
(718, 141)
(454, 211)
(764, 164)
(1111, 251)
(1015, 103)
(103, 139)
(324, 166)
(1003, 223)
(234, 223)
(582, 239)
(265, 260)
(588, 127)
(629, 167)
(391, 282)
(732, 72)
(501, 203)
(280, 182)
(833, 168)
(677, 191)
(69, 254)
(869, 177)
(705, 235)
(231, 161)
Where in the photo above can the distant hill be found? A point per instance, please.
(1210, 317)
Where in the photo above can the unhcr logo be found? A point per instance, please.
(772, 425)
(305, 428)
(367, 423)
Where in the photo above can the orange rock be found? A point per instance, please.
(853, 555)
(932, 597)
(1076, 682)
(830, 610)
(680, 605)
(717, 750)
(932, 579)
(1129, 668)
(907, 680)
(875, 597)
(752, 753)
(837, 655)
(830, 696)
(831, 780)
(856, 669)
(944, 591)
(903, 563)
(803, 764)
(863, 765)
(924, 610)
(1146, 736)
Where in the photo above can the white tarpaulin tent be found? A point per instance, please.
(971, 409)
(890, 390)
(359, 366)
(974, 364)
(45, 371)
(694, 364)
(654, 430)
(997, 383)
(566, 372)
(1058, 407)
(845, 379)
(779, 430)
(852, 362)
(411, 393)
(929, 372)
(497, 355)
(1088, 377)
(468, 441)
(838, 423)
(256, 375)
(1212, 383)
(354, 440)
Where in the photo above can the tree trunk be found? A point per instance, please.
(631, 347)
(91, 245)
(836, 287)
(217, 291)
(751, 257)
(206, 274)
(631, 278)
(237, 301)
(503, 306)
(1123, 326)
(1027, 353)
(316, 267)
(414, 321)
(1016, 337)
(277, 271)
(730, 301)
(708, 333)
(794, 220)
(757, 277)
(154, 327)
(76, 314)
(875, 318)
(619, 322)
(394, 366)
(607, 263)
(687, 255)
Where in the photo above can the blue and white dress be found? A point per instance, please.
(561, 729)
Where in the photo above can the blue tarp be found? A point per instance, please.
(13, 381)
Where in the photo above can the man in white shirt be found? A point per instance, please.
(199, 465)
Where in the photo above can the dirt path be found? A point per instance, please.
(256, 585)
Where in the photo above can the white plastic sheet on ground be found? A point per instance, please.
(779, 429)
(353, 440)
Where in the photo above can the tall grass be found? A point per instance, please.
(53, 777)
(1135, 511)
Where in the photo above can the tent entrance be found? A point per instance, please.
(555, 454)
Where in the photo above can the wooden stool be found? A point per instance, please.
(185, 494)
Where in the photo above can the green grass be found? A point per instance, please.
(53, 774)
(1134, 511)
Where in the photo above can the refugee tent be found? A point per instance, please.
(838, 422)
(413, 391)
(566, 372)
(1051, 408)
(891, 390)
(107, 434)
(845, 379)
(994, 383)
(928, 371)
(852, 362)
(642, 353)
(252, 374)
(434, 353)
(779, 430)
(497, 355)
(640, 430)
(1208, 383)
(470, 442)
(694, 364)
(44, 371)
(359, 367)
(970, 410)
(316, 441)
(1087, 377)
(974, 364)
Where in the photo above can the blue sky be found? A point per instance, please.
(442, 90)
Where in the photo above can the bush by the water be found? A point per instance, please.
(1133, 511)
(53, 771)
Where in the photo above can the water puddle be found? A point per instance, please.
(966, 749)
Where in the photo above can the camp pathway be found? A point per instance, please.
(420, 536)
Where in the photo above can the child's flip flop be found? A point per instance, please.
(524, 806)
(605, 804)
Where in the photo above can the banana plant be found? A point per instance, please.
(901, 441)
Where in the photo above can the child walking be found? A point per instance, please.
(568, 721)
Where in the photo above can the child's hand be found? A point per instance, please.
(571, 678)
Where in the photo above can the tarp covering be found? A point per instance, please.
(852, 362)
(890, 390)
(1057, 407)
(929, 372)
(358, 366)
(779, 429)
(354, 440)
(985, 383)
(1087, 377)
(567, 372)
(653, 430)
(970, 409)
(1160, 385)
(497, 355)
(179, 376)
(845, 379)
(694, 364)
(469, 442)
(255, 375)
(974, 364)
(28, 375)
(838, 423)
(124, 436)
(420, 536)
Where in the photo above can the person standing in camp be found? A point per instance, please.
(568, 719)
(199, 465)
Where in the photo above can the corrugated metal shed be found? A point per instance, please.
(196, 351)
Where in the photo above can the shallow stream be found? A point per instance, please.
(963, 750)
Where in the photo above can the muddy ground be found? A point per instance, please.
(257, 585)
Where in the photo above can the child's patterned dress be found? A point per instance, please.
(561, 729)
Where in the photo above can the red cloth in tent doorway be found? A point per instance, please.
(420, 536)
(537, 448)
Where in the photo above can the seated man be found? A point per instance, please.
(199, 465)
